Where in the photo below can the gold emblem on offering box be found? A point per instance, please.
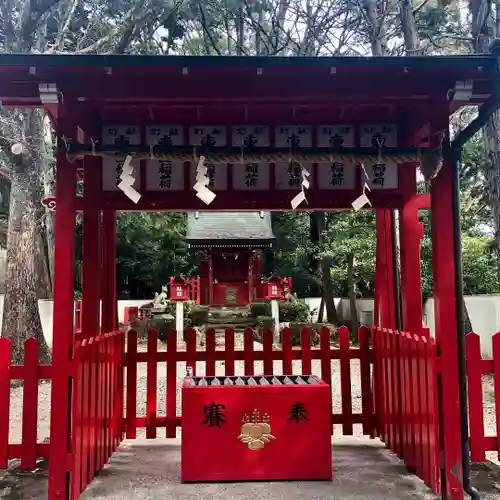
(256, 430)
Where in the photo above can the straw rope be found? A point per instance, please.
(276, 157)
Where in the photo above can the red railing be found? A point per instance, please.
(406, 400)
(209, 355)
(30, 373)
(477, 368)
(97, 405)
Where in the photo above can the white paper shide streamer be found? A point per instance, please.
(127, 180)
(362, 200)
(202, 180)
(301, 196)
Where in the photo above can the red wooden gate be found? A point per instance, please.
(406, 399)
(97, 409)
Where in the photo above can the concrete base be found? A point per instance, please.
(150, 470)
(363, 469)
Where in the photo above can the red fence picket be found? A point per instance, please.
(405, 384)
(97, 405)
(30, 373)
(286, 354)
(477, 367)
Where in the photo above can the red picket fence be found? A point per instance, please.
(209, 355)
(477, 367)
(406, 399)
(97, 410)
(30, 373)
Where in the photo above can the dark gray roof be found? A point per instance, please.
(246, 228)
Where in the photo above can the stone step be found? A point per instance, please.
(229, 312)
(223, 326)
(230, 321)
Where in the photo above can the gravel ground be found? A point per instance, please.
(489, 414)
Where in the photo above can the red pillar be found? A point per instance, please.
(91, 254)
(384, 292)
(445, 315)
(62, 342)
(411, 281)
(109, 296)
(386, 301)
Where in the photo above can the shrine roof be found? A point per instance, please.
(134, 80)
(74, 61)
(246, 229)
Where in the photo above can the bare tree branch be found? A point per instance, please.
(63, 32)
(32, 13)
(206, 29)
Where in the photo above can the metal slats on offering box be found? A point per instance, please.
(254, 380)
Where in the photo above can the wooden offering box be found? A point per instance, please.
(256, 428)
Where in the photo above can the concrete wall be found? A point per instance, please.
(484, 312)
(46, 308)
(364, 308)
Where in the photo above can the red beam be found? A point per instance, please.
(240, 355)
(15, 451)
(253, 88)
(247, 88)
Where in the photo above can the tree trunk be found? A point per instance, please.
(408, 26)
(44, 288)
(377, 28)
(21, 317)
(49, 192)
(314, 237)
(467, 321)
(321, 310)
(352, 297)
(326, 277)
(329, 299)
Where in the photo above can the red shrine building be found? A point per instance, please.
(230, 263)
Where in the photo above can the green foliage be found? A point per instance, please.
(479, 265)
(265, 322)
(296, 329)
(351, 233)
(290, 309)
(293, 310)
(260, 308)
(199, 315)
(151, 247)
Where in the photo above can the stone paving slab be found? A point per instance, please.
(150, 470)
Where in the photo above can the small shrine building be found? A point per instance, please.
(230, 263)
